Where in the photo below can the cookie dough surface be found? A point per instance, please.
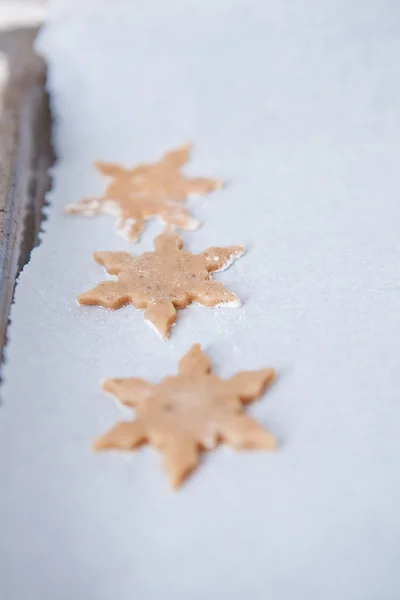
(189, 413)
(164, 280)
(295, 106)
(147, 191)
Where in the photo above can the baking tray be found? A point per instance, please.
(26, 155)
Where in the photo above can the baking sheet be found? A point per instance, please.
(295, 104)
(25, 155)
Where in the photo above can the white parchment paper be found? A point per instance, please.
(296, 105)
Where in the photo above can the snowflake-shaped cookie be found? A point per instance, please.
(145, 191)
(189, 413)
(163, 280)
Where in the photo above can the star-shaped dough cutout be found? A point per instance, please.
(163, 280)
(145, 191)
(189, 413)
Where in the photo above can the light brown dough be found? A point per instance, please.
(163, 280)
(145, 191)
(189, 413)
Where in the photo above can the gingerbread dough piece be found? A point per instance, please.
(189, 413)
(163, 280)
(145, 191)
